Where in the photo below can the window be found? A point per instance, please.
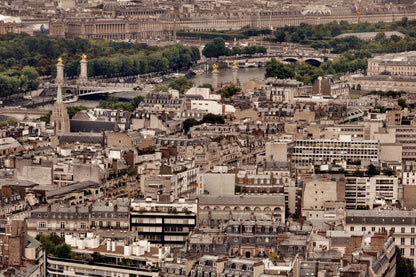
(412, 230)
(118, 224)
(393, 229)
(402, 250)
(351, 228)
(412, 241)
(362, 228)
(373, 229)
(412, 251)
(403, 230)
(62, 234)
(92, 223)
(42, 224)
(402, 241)
(100, 223)
(83, 225)
(108, 223)
(62, 225)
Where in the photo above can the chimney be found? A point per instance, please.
(377, 241)
(114, 165)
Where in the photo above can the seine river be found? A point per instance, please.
(224, 76)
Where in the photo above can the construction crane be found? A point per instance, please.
(357, 3)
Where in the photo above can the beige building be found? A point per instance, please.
(320, 198)
(244, 204)
(401, 64)
(401, 225)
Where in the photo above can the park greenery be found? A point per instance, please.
(24, 58)
(306, 73)
(217, 48)
(323, 36)
(114, 103)
(229, 90)
(181, 84)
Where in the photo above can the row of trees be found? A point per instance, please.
(114, 103)
(106, 58)
(217, 48)
(170, 58)
(243, 33)
(323, 36)
(14, 81)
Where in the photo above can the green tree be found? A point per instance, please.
(215, 48)
(63, 251)
(404, 267)
(131, 171)
(98, 258)
(12, 122)
(388, 171)
(277, 69)
(372, 170)
(402, 103)
(46, 118)
(181, 84)
(73, 110)
(229, 90)
(213, 119)
(188, 123)
(136, 101)
(31, 78)
(206, 85)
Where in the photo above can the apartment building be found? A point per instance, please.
(164, 221)
(399, 223)
(402, 64)
(244, 204)
(63, 219)
(312, 152)
(371, 191)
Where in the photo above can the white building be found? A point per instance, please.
(368, 191)
(212, 107)
(204, 92)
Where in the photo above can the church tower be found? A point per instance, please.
(60, 117)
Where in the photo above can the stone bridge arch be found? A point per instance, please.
(290, 60)
(313, 62)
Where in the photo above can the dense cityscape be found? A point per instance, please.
(207, 138)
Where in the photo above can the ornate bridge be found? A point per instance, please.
(91, 89)
(312, 59)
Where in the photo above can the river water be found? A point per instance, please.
(224, 76)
